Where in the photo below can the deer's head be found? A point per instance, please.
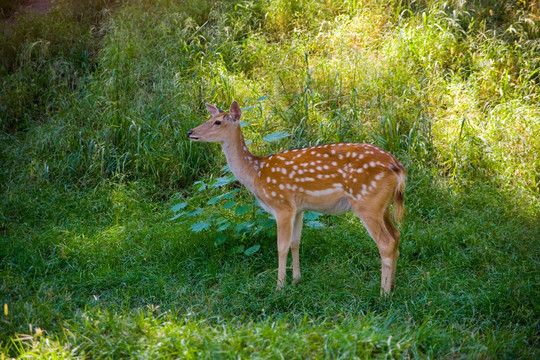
(221, 127)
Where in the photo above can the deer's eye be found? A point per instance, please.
(217, 122)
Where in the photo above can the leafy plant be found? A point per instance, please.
(230, 214)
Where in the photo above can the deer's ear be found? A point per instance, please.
(235, 112)
(213, 110)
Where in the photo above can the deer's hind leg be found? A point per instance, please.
(295, 245)
(396, 235)
(375, 223)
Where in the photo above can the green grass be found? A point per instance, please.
(94, 105)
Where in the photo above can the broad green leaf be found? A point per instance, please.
(229, 205)
(198, 227)
(213, 200)
(245, 226)
(269, 223)
(252, 249)
(179, 206)
(243, 124)
(241, 210)
(230, 194)
(311, 215)
(177, 216)
(222, 181)
(194, 213)
(262, 98)
(238, 249)
(314, 224)
(224, 226)
(201, 185)
(276, 136)
(220, 239)
(226, 168)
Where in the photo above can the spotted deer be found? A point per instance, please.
(331, 179)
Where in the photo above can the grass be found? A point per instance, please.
(93, 155)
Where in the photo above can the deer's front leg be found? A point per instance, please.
(284, 222)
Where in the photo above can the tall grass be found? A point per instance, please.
(438, 76)
(95, 101)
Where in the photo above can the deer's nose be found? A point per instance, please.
(189, 133)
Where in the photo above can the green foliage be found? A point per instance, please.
(95, 100)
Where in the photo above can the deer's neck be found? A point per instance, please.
(243, 164)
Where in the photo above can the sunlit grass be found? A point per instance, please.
(93, 153)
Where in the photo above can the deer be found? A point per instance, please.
(330, 179)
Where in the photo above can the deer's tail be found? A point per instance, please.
(399, 191)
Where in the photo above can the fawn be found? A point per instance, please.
(331, 179)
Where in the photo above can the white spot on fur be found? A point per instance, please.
(322, 192)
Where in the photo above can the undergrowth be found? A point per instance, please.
(95, 101)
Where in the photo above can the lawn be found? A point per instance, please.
(117, 240)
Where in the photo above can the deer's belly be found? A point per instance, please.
(332, 206)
